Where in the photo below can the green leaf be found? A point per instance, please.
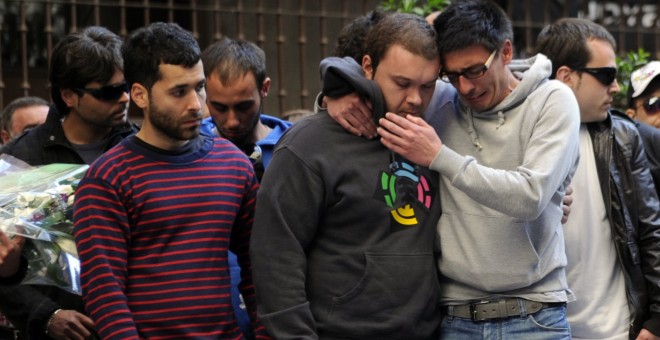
(625, 66)
(418, 7)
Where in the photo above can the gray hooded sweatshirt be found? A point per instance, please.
(503, 176)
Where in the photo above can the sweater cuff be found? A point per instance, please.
(449, 163)
(18, 276)
(653, 324)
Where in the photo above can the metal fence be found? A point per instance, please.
(296, 34)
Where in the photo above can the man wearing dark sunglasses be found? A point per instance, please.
(89, 116)
(90, 97)
(613, 235)
(644, 108)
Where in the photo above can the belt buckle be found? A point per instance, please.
(473, 310)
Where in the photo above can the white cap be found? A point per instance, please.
(642, 77)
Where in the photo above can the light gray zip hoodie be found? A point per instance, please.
(504, 174)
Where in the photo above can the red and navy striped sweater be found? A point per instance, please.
(153, 229)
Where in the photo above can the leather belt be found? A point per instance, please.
(499, 309)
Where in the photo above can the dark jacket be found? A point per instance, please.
(47, 144)
(651, 137)
(18, 276)
(633, 211)
(29, 307)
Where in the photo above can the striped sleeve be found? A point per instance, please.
(101, 230)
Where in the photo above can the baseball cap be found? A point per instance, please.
(642, 77)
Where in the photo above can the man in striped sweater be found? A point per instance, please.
(155, 216)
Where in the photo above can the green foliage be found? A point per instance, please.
(625, 66)
(419, 7)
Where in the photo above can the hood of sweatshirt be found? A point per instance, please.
(341, 76)
(532, 73)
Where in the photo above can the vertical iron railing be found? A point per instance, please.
(295, 34)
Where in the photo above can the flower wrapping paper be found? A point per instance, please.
(37, 203)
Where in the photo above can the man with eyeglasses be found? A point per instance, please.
(644, 108)
(506, 155)
(613, 236)
(88, 118)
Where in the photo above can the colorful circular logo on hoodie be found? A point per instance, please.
(405, 191)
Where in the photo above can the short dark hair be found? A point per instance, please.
(351, 39)
(564, 42)
(90, 55)
(159, 43)
(467, 23)
(16, 104)
(410, 31)
(235, 58)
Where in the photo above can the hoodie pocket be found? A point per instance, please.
(394, 291)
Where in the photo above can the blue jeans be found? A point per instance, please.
(546, 324)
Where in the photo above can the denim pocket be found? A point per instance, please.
(551, 319)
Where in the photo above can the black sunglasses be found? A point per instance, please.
(605, 75)
(107, 93)
(652, 105)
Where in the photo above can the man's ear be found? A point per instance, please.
(70, 97)
(507, 52)
(367, 67)
(265, 87)
(140, 96)
(4, 136)
(631, 113)
(565, 75)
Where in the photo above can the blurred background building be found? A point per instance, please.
(296, 34)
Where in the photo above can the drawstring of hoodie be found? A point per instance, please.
(500, 119)
(473, 131)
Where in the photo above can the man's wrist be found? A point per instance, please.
(50, 319)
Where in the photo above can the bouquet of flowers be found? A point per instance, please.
(37, 203)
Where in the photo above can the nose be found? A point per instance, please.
(196, 101)
(232, 121)
(414, 97)
(464, 86)
(125, 96)
(614, 87)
